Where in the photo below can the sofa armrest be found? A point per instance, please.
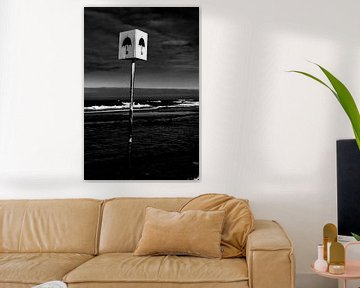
(269, 256)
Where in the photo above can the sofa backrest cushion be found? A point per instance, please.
(239, 220)
(123, 220)
(66, 226)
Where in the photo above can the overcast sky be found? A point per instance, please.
(173, 47)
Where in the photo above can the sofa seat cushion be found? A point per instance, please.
(36, 268)
(15, 285)
(242, 284)
(127, 268)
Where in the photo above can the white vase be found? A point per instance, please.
(320, 264)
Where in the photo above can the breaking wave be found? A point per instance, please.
(149, 105)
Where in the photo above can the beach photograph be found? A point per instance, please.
(141, 123)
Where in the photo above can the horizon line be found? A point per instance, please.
(178, 88)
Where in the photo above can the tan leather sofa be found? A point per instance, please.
(89, 243)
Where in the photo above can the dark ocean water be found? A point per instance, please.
(165, 134)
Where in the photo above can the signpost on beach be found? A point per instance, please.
(133, 46)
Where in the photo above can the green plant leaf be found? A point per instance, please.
(357, 137)
(316, 79)
(356, 236)
(346, 100)
(344, 97)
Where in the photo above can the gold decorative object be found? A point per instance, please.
(337, 258)
(337, 253)
(336, 269)
(330, 236)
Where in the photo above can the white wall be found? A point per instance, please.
(266, 135)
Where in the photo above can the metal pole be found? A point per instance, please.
(131, 112)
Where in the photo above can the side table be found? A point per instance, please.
(352, 268)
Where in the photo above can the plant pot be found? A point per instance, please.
(348, 187)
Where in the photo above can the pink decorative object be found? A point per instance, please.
(320, 264)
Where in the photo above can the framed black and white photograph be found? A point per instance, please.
(141, 93)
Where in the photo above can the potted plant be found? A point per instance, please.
(347, 102)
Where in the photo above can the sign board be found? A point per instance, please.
(133, 45)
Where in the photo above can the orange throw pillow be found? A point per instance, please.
(196, 233)
(239, 220)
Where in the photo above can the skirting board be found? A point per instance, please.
(309, 280)
(352, 284)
